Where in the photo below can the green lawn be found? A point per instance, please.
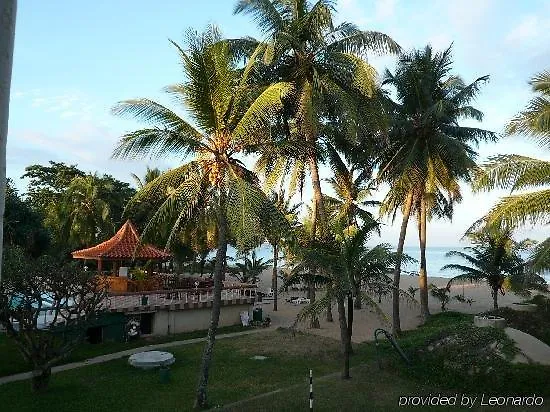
(118, 386)
(11, 361)
(237, 378)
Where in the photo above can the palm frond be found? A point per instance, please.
(352, 40)
(513, 172)
(263, 12)
(254, 125)
(518, 209)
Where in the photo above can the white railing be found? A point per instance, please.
(171, 297)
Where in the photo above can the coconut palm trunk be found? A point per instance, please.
(350, 322)
(274, 276)
(314, 322)
(396, 326)
(8, 9)
(344, 335)
(495, 298)
(329, 310)
(358, 304)
(318, 220)
(319, 208)
(201, 399)
(423, 274)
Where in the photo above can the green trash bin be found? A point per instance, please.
(257, 315)
(164, 374)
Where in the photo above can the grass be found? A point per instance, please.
(235, 378)
(117, 386)
(11, 361)
(534, 323)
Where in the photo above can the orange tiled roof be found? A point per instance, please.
(122, 246)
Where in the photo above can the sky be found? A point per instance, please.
(74, 60)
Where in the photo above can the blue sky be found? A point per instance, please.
(75, 59)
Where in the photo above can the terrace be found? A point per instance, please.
(162, 303)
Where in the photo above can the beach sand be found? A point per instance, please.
(366, 321)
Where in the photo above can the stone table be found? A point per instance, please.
(151, 359)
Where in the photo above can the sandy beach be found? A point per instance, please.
(366, 321)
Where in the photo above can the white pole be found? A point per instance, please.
(310, 390)
(8, 10)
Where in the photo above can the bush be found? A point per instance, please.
(32, 289)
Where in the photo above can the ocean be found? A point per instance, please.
(435, 259)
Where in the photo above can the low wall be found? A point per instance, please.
(176, 321)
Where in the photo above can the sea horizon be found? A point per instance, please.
(435, 259)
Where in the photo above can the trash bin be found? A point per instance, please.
(257, 315)
(164, 373)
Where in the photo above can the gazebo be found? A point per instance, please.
(124, 245)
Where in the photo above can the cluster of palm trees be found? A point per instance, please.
(302, 97)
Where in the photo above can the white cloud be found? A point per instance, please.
(384, 9)
(525, 30)
(38, 102)
(67, 104)
(440, 41)
(468, 14)
(363, 13)
(87, 144)
(349, 10)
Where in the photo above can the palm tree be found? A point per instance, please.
(8, 11)
(291, 214)
(520, 173)
(494, 258)
(534, 121)
(150, 175)
(83, 215)
(252, 268)
(428, 152)
(324, 64)
(344, 261)
(351, 191)
(230, 116)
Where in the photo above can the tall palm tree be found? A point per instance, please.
(291, 214)
(520, 173)
(429, 152)
(494, 258)
(8, 11)
(352, 191)
(324, 62)
(230, 115)
(348, 209)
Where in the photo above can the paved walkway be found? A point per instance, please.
(533, 350)
(122, 354)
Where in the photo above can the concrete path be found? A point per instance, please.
(533, 350)
(122, 354)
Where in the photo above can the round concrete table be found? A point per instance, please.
(151, 359)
